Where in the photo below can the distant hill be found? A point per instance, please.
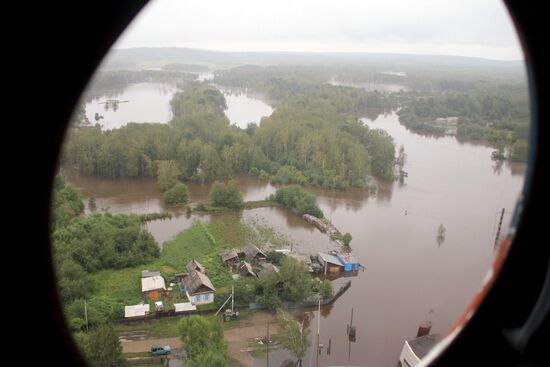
(136, 58)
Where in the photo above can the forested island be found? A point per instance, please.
(314, 138)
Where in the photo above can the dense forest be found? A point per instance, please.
(313, 138)
(85, 245)
(495, 113)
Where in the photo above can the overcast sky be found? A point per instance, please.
(479, 28)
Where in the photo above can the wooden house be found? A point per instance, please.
(199, 288)
(195, 265)
(267, 269)
(229, 258)
(253, 255)
(246, 270)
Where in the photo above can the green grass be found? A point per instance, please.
(260, 204)
(156, 328)
(202, 242)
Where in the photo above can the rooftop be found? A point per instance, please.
(152, 283)
(228, 255)
(195, 280)
(331, 259)
(136, 310)
(422, 345)
(147, 273)
(184, 307)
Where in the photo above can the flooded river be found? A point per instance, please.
(409, 277)
(150, 102)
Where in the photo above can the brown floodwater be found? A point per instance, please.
(409, 277)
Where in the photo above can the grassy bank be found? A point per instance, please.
(202, 242)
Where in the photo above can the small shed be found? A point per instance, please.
(246, 270)
(136, 311)
(153, 287)
(195, 265)
(229, 258)
(268, 269)
(253, 255)
(330, 262)
(184, 307)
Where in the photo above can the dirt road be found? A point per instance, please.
(238, 338)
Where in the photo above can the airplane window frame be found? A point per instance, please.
(79, 42)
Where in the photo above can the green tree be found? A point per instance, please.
(325, 289)
(346, 239)
(167, 174)
(293, 336)
(297, 283)
(226, 195)
(92, 203)
(177, 194)
(101, 347)
(199, 336)
(268, 291)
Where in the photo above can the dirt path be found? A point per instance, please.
(237, 338)
(134, 346)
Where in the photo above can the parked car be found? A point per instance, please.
(160, 350)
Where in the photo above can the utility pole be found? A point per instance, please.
(498, 229)
(232, 297)
(267, 344)
(318, 329)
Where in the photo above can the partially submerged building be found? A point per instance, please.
(349, 262)
(330, 263)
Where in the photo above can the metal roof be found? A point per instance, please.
(152, 283)
(184, 307)
(331, 259)
(136, 310)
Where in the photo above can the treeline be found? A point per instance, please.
(498, 115)
(313, 139)
(281, 83)
(83, 245)
(190, 68)
(111, 79)
(294, 197)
